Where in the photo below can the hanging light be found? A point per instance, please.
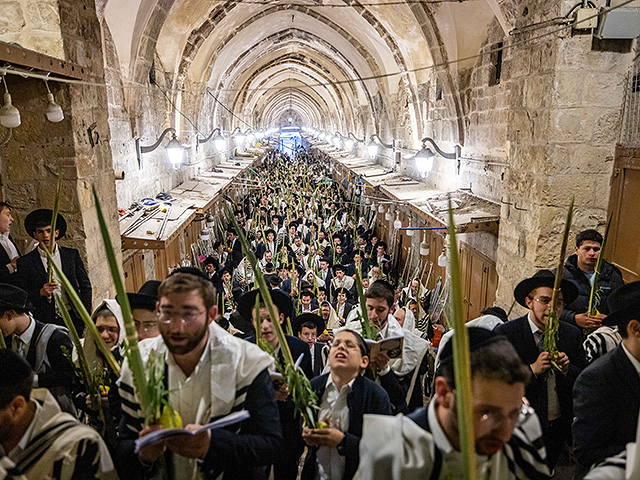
(367, 201)
(424, 246)
(175, 152)
(205, 235)
(372, 149)
(9, 115)
(381, 208)
(424, 161)
(251, 138)
(397, 224)
(336, 141)
(220, 143)
(410, 233)
(240, 138)
(53, 111)
(389, 215)
(210, 222)
(443, 260)
(373, 207)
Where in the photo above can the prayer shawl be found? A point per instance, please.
(61, 448)
(412, 351)
(398, 448)
(613, 468)
(601, 341)
(235, 363)
(8, 470)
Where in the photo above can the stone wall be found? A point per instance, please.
(32, 24)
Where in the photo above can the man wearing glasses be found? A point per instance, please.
(209, 374)
(426, 444)
(550, 389)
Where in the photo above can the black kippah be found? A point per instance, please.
(14, 369)
(191, 271)
(478, 337)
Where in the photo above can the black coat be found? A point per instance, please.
(366, 397)
(518, 332)
(606, 402)
(32, 276)
(610, 279)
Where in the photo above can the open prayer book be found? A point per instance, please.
(392, 346)
(166, 433)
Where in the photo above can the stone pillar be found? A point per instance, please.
(40, 150)
(564, 121)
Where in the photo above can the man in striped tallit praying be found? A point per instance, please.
(208, 374)
(38, 438)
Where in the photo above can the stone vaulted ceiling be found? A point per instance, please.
(333, 67)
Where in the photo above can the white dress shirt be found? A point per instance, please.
(10, 248)
(334, 408)
(553, 406)
(21, 342)
(634, 361)
(191, 396)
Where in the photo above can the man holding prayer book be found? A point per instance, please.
(208, 374)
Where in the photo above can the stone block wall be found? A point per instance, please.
(32, 24)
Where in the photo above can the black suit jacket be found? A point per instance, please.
(606, 402)
(519, 334)
(348, 306)
(365, 397)
(5, 275)
(318, 361)
(32, 276)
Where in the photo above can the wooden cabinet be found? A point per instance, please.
(133, 271)
(623, 248)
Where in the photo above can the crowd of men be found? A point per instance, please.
(382, 413)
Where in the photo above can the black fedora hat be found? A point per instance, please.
(273, 279)
(624, 305)
(544, 278)
(146, 297)
(303, 318)
(345, 291)
(13, 297)
(280, 300)
(339, 267)
(43, 216)
(268, 231)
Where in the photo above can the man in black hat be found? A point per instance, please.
(549, 390)
(143, 309)
(426, 444)
(33, 270)
(286, 465)
(8, 252)
(342, 305)
(358, 262)
(308, 326)
(39, 344)
(607, 393)
(235, 248)
(341, 280)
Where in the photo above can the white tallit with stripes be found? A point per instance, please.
(57, 446)
(396, 448)
(233, 364)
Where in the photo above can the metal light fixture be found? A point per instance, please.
(205, 235)
(381, 208)
(219, 142)
(53, 111)
(175, 150)
(389, 215)
(374, 144)
(9, 115)
(238, 136)
(211, 221)
(424, 158)
(425, 248)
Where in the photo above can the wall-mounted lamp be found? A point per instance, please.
(424, 158)
(174, 148)
(338, 139)
(9, 115)
(219, 142)
(374, 144)
(351, 141)
(238, 136)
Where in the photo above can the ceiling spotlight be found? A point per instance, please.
(9, 115)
